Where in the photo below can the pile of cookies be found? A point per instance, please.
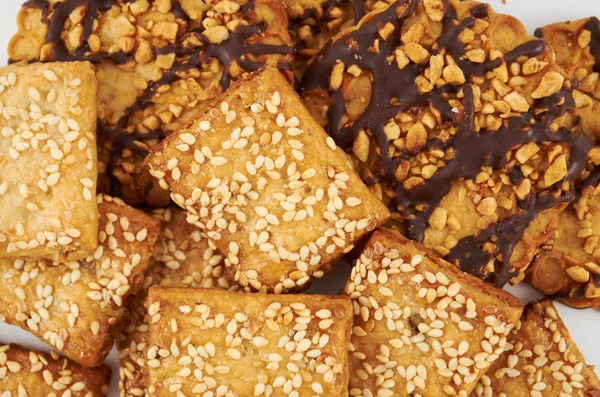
(182, 170)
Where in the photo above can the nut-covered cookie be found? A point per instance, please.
(571, 270)
(459, 121)
(577, 48)
(156, 61)
(313, 22)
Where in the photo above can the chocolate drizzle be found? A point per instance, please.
(394, 91)
(233, 49)
(236, 49)
(593, 25)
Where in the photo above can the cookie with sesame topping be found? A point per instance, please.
(74, 306)
(215, 342)
(156, 62)
(48, 161)
(422, 327)
(570, 269)
(478, 145)
(186, 258)
(25, 372)
(541, 360)
(262, 179)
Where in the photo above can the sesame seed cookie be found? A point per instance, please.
(541, 360)
(227, 343)
(48, 161)
(422, 327)
(263, 180)
(25, 372)
(74, 306)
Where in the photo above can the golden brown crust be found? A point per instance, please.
(24, 372)
(570, 270)
(260, 178)
(421, 326)
(185, 258)
(392, 238)
(156, 61)
(469, 74)
(541, 359)
(48, 161)
(74, 306)
(256, 343)
(571, 42)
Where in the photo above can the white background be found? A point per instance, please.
(584, 325)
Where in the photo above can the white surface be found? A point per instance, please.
(584, 325)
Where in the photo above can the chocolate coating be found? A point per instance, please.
(394, 91)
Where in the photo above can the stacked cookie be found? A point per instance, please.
(185, 169)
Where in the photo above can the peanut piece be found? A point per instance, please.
(416, 137)
(434, 9)
(454, 75)
(551, 83)
(361, 146)
(438, 218)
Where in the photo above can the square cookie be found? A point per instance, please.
(422, 327)
(541, 360)
(25, 372)
(48, 161)
(186, 258)
(262, 179)
(215, 342)
(75, 305)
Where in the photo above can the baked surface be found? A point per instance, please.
(185, 259)
(48, 161)
(261, 178)
(571, 271)
(74, 306)
(31, 373)
(215, 341)
(541, 359)
(421, 326)
(156, 62)
(445, 145)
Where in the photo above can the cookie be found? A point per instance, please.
(74, 306)
(48, 161)
(156, 61)
(261, 178)
(422, 327)
(570, 269)
(185, 258)
(215, 342)
(577, 48)
(27, 372)
(463, 124)
(541, 360)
